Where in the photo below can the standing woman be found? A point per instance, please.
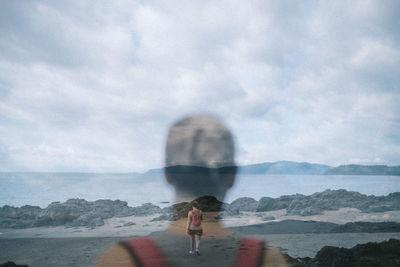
(194, 228)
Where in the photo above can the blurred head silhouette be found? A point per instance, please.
(200, 157)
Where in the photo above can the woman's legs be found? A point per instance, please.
(192, 242)
(198, 237)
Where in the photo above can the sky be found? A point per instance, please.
(93, 86)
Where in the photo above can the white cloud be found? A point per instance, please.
(94, 87)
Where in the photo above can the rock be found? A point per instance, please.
(286, 227)
(228, 213)
(243, 204)
(129, 224)
(60, 213)
(11, 217)
(336, 199)
(72, 213)
(179, 210)
(386, 253)
(268, 218)
(268, 204)
(146, 209)
(163, 217)
(12, 264)
(209, 204)
(206, 204)
(107, 208)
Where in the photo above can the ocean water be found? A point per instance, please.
(17, 189)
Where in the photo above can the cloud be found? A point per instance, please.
(94, 87)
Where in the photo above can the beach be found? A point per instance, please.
(81, 246)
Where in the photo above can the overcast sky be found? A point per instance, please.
(94, 86)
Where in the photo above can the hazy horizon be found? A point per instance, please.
(157, 168)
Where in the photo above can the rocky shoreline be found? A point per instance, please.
(79, 212)
(313, 227)
(85, 251)
(386, 253)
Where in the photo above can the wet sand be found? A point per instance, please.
(60, 246)
(79, 251)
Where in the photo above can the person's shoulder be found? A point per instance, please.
(115, 256)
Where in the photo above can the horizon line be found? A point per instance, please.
(158, 168)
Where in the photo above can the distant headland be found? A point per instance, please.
(305, 168)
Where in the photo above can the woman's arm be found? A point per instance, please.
(189, 219)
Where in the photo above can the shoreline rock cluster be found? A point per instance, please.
(79, 212)
(386, 253)
(72, 213)
(316, 203)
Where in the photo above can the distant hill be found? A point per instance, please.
(155, 171)
(305, 168)
(354, 169)
(279, 167)
(284, 167)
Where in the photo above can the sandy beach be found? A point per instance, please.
(135, 226)
(81, 246)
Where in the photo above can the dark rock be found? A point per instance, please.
(61, 213)
(268, 218)
(146, 209)
(125, 225)
(336, 199)
(11, 217)
(129, 224)
(90, 220)
(286, 227)
(72, 213)
(386, 253)
(179, 210)
(12, 264)
(317, 203)
(209, 203)
(269, 204)
(243, 204)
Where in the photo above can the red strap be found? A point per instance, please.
(145, 252)
(250, 253)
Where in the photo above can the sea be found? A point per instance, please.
(41, 189)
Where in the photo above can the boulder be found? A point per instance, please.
(268, 204)
(386, 253)
(244, 204)
(146, 209)
(268, 218)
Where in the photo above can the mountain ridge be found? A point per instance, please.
(307, 168)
